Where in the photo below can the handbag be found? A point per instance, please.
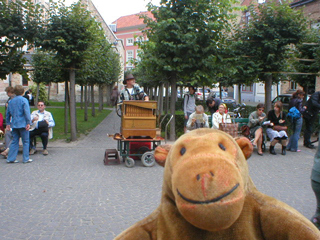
(43, 126)
(245, 130)
(230, 128)
(280, 128)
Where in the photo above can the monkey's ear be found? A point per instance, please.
(161, 153)
(245, 145)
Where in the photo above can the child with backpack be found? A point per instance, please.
(189, 104)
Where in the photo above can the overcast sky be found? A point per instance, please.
(111, 10)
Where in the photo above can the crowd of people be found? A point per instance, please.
(20, 123)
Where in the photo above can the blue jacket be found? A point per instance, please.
(18, 113)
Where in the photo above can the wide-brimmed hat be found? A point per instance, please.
(128, 77)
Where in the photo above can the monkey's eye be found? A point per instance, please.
(222, 146)
(183, 151)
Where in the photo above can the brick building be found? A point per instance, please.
(128, 29)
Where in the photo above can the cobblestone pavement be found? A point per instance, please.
(70, 194)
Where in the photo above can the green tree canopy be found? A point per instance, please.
(19, 24)
(184, 41)
(266, 40)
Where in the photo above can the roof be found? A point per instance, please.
(132, 20)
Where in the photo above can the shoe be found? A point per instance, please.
(284, 152)
(311, 146)
(32, 151)
(45, 152)
(29, 161)
(5, 152)
(15, 161)
(261, 154)
(272, 150)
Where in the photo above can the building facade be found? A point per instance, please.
(129, 30)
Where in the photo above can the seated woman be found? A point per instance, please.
(220, 116)
(276, 130)
(198, 119)
(256, 119)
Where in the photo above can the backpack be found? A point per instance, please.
(182, 103)
(294, 113)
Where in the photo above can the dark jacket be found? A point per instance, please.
(217, 102)
(296, 102)
(313, 104)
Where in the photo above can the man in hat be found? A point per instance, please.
(132, 91)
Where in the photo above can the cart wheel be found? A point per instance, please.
(129, 162)
(148, 159)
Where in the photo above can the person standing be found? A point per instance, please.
(189, 104)
(315, 184)
(132, 91)
(18, 119)
(213, 104)
(114, 96)
(8, 134)
(309, 116)
(296, 101)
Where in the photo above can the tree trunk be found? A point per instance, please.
(93, 110)
(66, 107)
(204, 96)
(81, 97)
(73, 110)
(267, 89)
(100, 98)
(49, 91)
(173, 109)
(38, 92)
(220, 91)
(160, 101)
(86, 102)
(167, 98)
(239, 93)
(108, 94)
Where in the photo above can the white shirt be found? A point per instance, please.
(218, 118)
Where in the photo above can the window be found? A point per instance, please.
(24, 81)
(129, 41)
(315, 25)
(247, 17)
(137, 55)
(293, 85)
(129, 57)
(139, 39)
(246, 88)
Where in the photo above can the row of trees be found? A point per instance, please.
(198, 42)
(70, 47)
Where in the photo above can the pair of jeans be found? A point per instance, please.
(296, 129)
(14, 146)
(308, 131)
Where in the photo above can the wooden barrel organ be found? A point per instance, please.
(139, 119)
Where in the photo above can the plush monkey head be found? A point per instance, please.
(206, 177)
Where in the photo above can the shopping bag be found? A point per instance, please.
(230, 128)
